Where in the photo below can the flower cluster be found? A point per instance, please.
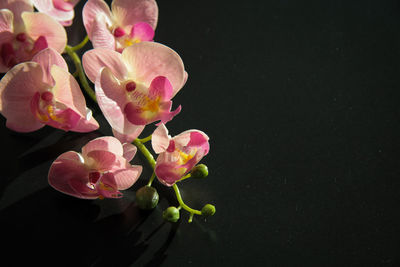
(134, 78)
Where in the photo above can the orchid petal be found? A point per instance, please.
(129, 151)
(142, 31)
(67, 90)
(160, 139)
(130, 132)
(68, 174)
(111, 98)
(164, 62)
(96, 59)
(17, 7)
(53, 9)
(101, 37)
(91, 10)
(16, 96)
(160, 87)
(47, 58)
(101, 160)
(107, 186)
(40, 24)
(125, 178)
(6, 20)
(167, 173)
(128, 12)
(106, 143)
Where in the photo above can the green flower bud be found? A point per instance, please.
(199, 171)
(208, 210)
(171, 214)
(147, 198)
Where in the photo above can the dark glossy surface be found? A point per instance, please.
(301, 102)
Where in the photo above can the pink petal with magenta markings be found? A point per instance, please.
(160, 139)
(125, 178)
(16, 97)
(100, 36)
(130, 132)
(164, 62)
(39, 24)
(128, 12)
(129, 151)
(47, 58)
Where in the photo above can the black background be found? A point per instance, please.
(301, 102)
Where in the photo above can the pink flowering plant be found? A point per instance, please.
(134, 82)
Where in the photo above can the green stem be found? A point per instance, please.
(185, 177)
(144, 140)
(151, 179)
(81, 74)
(81, 44)
(183, 205)
(146, 153)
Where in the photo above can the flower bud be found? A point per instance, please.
(171, 214)
(147, 198)
(199, 171)
(208, 210)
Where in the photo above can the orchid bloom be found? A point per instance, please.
(60, 10)
(24, 33)
(179, 154)
(99, 171)
(135, 88)
(43, 92)
(128, 22)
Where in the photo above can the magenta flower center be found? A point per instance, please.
(21, 37)
(119, 32)
(46, 96)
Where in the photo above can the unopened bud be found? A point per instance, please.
(171, 214)
(199, 171)
(208, 210)
(147, 198)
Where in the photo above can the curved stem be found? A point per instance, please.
(151, 179)
(144, 140)
(81, 44)
(146, 153)
(182, 204)
(81, 74)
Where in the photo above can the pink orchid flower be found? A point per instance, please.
(99, 171)
(135, 88)
(24, 33)
(128, 22)
(179, 154)
(60, 10)
(43, 92)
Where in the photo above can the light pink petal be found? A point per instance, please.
(111, 97)
(6, 20)
(102, 160)
(160, 87)
(17, 7)
(16, 96)
(107, 186)
(91, 10)
(106, 143)
(160, 139)
(67, 90)
(125, 178)
(147, 60)
(96, 59)
(69, 175)
(66, 23)
(142, 31)
(128, 12)
(54, 9)
(47, 58)
(100, 36)
(40, 24)
(130, 132)
(129, 151)
(136, 115)
(86, 124)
